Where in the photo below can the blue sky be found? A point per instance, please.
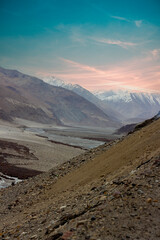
(98, 44)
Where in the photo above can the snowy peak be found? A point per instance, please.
(54, 81)
(111, 113)
(73, 87)
(61, 83)
(123, 105)
(134, 106)
(127, 96)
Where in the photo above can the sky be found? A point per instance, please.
(99, 44)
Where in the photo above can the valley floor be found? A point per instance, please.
(23, 154)
(29, 148)
(110, 192)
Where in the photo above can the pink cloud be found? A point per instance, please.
(155, 53)
(82, 66)
(138, 74)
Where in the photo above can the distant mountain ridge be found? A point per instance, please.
(128, 96)
(133, 105)
(85, 94)
(121, 105)
(73, 87)
(27, 97)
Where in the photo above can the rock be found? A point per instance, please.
(93, 218)
(52, 222)
(110, 198)
(23, 233)
(117, 194)
(140, 191)
(66, 235)
(80, 223)
(132, 172)
(103, 198)
(55, 236)
(157, 162)
(106, 183)
(33, 237)
(33, 217)
(149, 200)
(9, 206)
(87, 237)
(63, 207)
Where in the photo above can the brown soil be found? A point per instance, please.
(19, 172)
(111, 192)
(15, 151)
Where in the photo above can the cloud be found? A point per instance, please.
(121, 18)
(119, 43)
(138, 23)
(155, 53)
(139, 74)
(82, 66)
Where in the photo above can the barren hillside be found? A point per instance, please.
(111, 192)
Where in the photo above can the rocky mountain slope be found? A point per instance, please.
(111, 192)
(27, 97)
(134, 106)
(73, 87)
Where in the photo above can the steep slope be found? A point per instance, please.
(133, 106)
(111, 194)
(85, 94)
(30, 98)
(73, 87)
(14, 104)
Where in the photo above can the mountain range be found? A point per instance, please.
(55, 101)
(27, 97)
(123, 105)
(85, 94)
(134, 106)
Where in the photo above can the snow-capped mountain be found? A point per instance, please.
(73, 87)
(132, 105)
(26, 97)
(121, 105)
(85, 94)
